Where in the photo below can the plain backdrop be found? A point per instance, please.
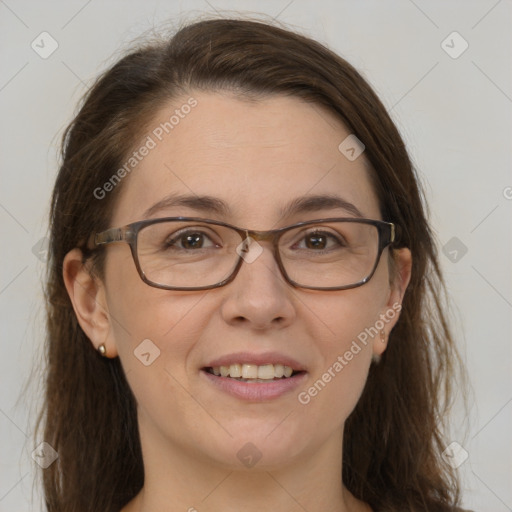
(450, 95)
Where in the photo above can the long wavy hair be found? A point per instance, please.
(394, 438)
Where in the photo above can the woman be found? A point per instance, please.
(244, 299)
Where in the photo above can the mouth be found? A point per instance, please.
(254, 382)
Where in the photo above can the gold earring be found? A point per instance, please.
(102, 350)
(383, 336)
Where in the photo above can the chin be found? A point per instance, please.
(256, 446)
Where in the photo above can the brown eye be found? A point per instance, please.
(316, 241)
(320, 241)
(192, 241)
(189, 240)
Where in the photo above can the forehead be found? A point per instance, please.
(255, 156)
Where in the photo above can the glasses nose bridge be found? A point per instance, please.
(271, 236)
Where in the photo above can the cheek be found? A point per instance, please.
(152, 328)
(333, 392)
(338, 319)
(172, 323)
(158, 334)
(344, 327)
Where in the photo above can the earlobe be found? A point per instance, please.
(87, 295)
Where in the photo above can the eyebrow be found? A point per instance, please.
(213, 205)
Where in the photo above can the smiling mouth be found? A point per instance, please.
(253, 373)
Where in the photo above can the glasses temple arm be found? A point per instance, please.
(109, 236)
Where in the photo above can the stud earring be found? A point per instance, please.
(102, 350)
(376, 357)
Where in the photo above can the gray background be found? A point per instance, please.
(454, 114)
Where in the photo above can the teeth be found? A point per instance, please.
(235, 370)
(252, 371)
(249, 371)
(266, 371)
(278, 370)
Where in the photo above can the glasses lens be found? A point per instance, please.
(332, 254)
(187, 254)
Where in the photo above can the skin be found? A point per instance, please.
(261, 156)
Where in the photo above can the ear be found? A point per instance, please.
(400, 270)
(87, 294)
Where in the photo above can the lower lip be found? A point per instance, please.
(255, 391)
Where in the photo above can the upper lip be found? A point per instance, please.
(256, 359)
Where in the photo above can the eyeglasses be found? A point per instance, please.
(189, 253)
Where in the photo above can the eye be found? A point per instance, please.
(190, 239)
(319, 240)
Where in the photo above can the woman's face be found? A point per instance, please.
(257, 158)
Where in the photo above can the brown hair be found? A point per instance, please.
(393, 439)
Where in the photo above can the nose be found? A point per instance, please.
(259, 297)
